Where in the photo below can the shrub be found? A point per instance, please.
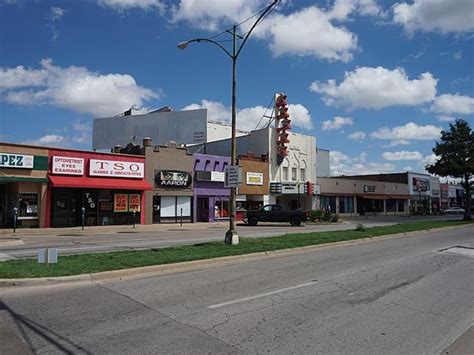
(360, 227)
(315, 215)
(334, 218)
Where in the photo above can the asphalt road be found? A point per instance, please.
(409, 295)
(169, 235)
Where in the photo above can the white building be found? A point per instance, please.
(162, 126)
(288, 180)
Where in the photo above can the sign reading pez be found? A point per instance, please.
(115, 168)
(20, 161)
(68, 166)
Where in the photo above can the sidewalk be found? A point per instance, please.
(8, 235)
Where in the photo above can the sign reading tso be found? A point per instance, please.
(114, 168)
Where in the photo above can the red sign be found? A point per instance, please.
(120, 203)
(282, 125)
(134, 202)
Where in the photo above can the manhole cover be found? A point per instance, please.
(467, 251)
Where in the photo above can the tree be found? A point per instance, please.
(456, 158)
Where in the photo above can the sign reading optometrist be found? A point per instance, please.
(68, 166)
(116, 169)
(18, 161)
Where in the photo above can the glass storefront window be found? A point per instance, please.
(391, 205)
(328, 203)
(401, 205)
(346, 204)
(27, 205)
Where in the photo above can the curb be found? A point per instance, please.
(175, 268)
(11, 242)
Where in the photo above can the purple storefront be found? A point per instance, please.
(211, 198)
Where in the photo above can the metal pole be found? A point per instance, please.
(83, 214)
(231, 236)
(15, 216)
(181, 223)
(133, 216)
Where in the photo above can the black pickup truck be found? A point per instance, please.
(274, 213)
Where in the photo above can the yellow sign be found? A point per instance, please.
(120, 203)
(134, 202)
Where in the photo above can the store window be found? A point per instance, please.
(27, 205)
(221, 209)
(303, 174)
(328, 203)
(401, 205)
(378, 205)
(294, 174)
(285, 173)
(391, 205)
(346, 204)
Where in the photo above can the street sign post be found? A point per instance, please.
(233, 176)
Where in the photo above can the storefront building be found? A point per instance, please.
(354, 197)
(435, 195)
(211, 198)
(420, 193)
(255, 182)
(169, 168)
(444, 191)
(456, 195)
(95, 189)
(23, 185)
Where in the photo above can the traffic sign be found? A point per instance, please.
(233, 176)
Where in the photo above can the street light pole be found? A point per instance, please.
(231, 236)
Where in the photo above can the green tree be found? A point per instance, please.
(456, 158)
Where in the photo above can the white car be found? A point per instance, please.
(454, 210)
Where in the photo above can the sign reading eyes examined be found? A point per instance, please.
(18, 161)
(114, 168)
(68, 166)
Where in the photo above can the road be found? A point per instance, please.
(126, 238)
(408, 295)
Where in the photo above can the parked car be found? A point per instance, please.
(454, 210)
(274, 213)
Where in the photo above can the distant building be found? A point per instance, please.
(162, 126)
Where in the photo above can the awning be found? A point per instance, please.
(374, 196)
(22, 179)
(99, 183)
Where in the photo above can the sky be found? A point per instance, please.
(375, 81)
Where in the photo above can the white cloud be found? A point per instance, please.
(74, 88)
(248, 118)
(357, 136)
(409, 131)
(449, 104)
(441, 15)
(342, 164)
(123, 5)
(337, 123)
(376, 88)
(311, 31)
(445, 118)
(430, 159)
(55, 140)
(396, 143)
(402, 155)
(56, 13)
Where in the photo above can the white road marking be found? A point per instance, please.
(250, 298)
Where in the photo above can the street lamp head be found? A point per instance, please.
(183, 45)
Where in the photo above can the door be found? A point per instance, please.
(202, 209)
(156, 209)
(65, 209)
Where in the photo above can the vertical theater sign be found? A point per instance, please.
(282, 125)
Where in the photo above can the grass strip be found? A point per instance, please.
(89, 263)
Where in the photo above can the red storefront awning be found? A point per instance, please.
(99, 183)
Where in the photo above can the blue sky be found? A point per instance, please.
(374, 81)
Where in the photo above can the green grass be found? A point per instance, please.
(89, 263)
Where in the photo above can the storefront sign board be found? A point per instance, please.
(18, 161)
(172, 178)
(116, 169)
(68, 166)
(120, 203)
(254, 178)
(289, 188)
(134, 202)
(217, 176)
